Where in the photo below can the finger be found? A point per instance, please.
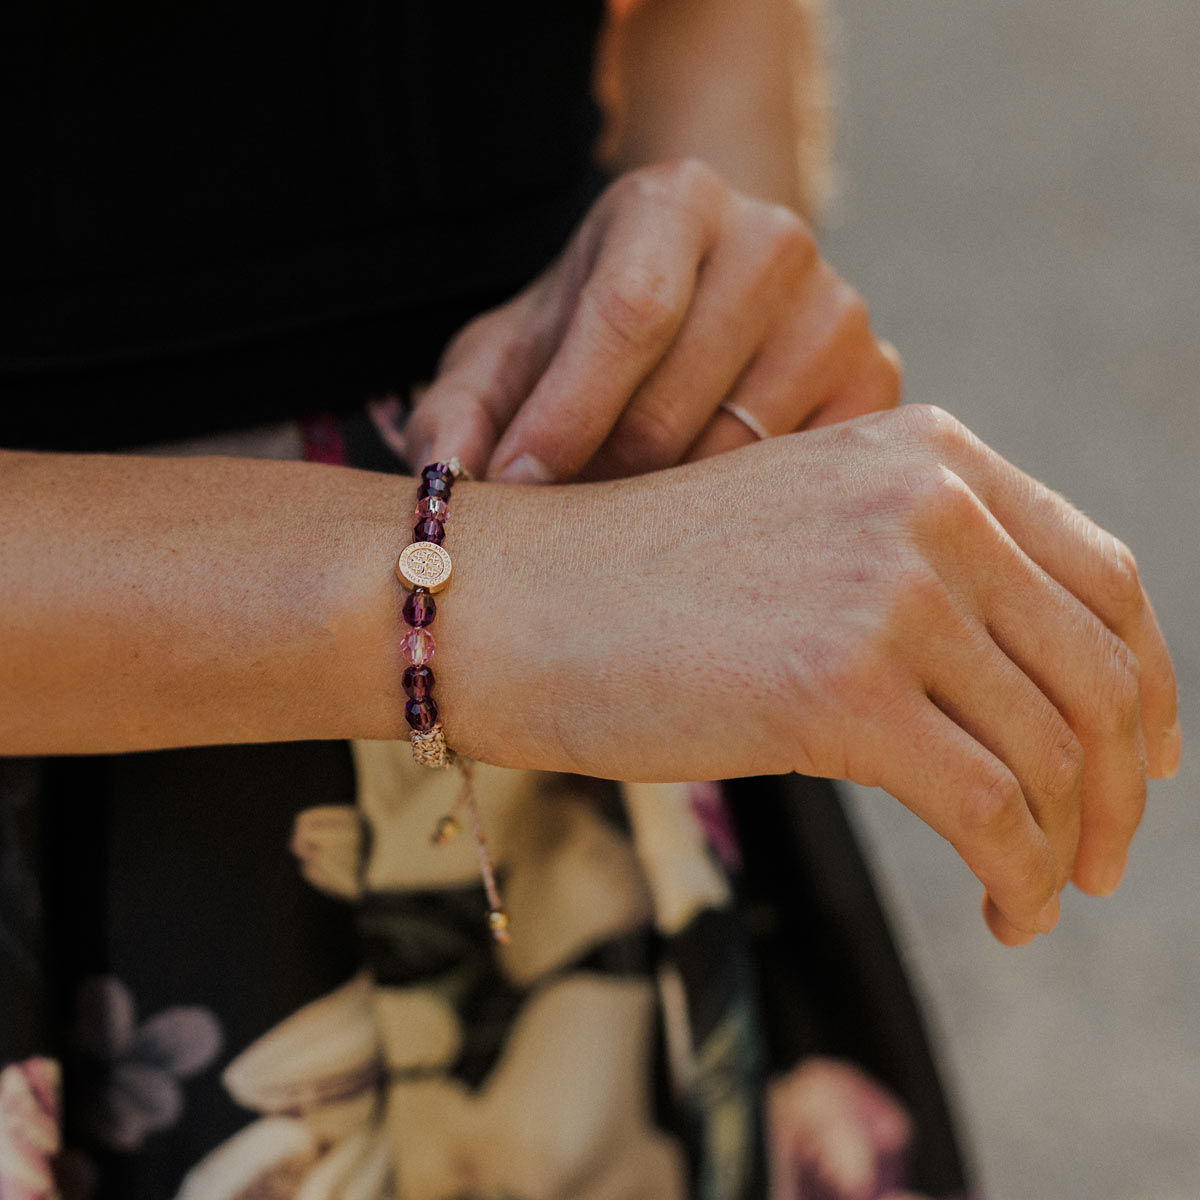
(1089, 562)
(1003, 930)
(1090, 676)
(488, 370)
(627, 315)
(724, 432)
(878, 384)
(387, 415)
(985, 693)
(827, 368)
(753, 271)
(1079, 665)
(822, 344)
(963, 791)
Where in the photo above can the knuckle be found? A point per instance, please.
(638, 309)
(1121, 694)
(916, 596)
(954, 499)
(682, 181)
(855, 316)
(1063, 779)
(993, 807)
(927, 423)
(937, 497)
(1122, 582)
(692, 179)
(787, 236)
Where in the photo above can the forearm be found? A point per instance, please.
(723, 81)
(149, 602)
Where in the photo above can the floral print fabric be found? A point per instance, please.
(454, 1067)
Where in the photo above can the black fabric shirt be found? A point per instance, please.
(222, 212)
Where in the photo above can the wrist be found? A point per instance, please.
(534, 632)
(491, 650)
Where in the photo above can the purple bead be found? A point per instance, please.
(421, 714)
(433, 506)
(429, 530)
(438, 470)
(434, 487)
(418, 682)
(419, 609)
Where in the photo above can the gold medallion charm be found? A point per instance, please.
(424, 565)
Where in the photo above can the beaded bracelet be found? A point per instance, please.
(424, 567)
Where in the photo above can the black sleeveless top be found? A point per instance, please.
(220, 213)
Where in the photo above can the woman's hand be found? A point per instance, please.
(885, 600)
(675, 295)
(833, 1131)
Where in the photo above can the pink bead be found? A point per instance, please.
(432, 506)
(418, 646)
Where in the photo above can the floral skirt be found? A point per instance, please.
(249, 973)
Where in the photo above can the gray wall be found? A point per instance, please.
(1021, 207)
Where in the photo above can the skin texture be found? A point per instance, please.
(153, 602)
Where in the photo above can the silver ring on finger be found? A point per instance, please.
(748, 419)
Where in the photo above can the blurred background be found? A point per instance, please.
(1020, 205)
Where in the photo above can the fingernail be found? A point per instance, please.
(1172, 751)
(1049, 916)
(526, 469)
(1111, 876)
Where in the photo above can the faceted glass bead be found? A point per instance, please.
(432, 506)
(421, 714)
(418, 646)
(429, 530)
(434, 487)
(438, 470)
(419, 609)
(418, 682)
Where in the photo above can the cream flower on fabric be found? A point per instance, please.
(317, 1076)
(565, 1115)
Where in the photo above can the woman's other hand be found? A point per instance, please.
(885, 600)
(834, 1132)
(676, 294)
